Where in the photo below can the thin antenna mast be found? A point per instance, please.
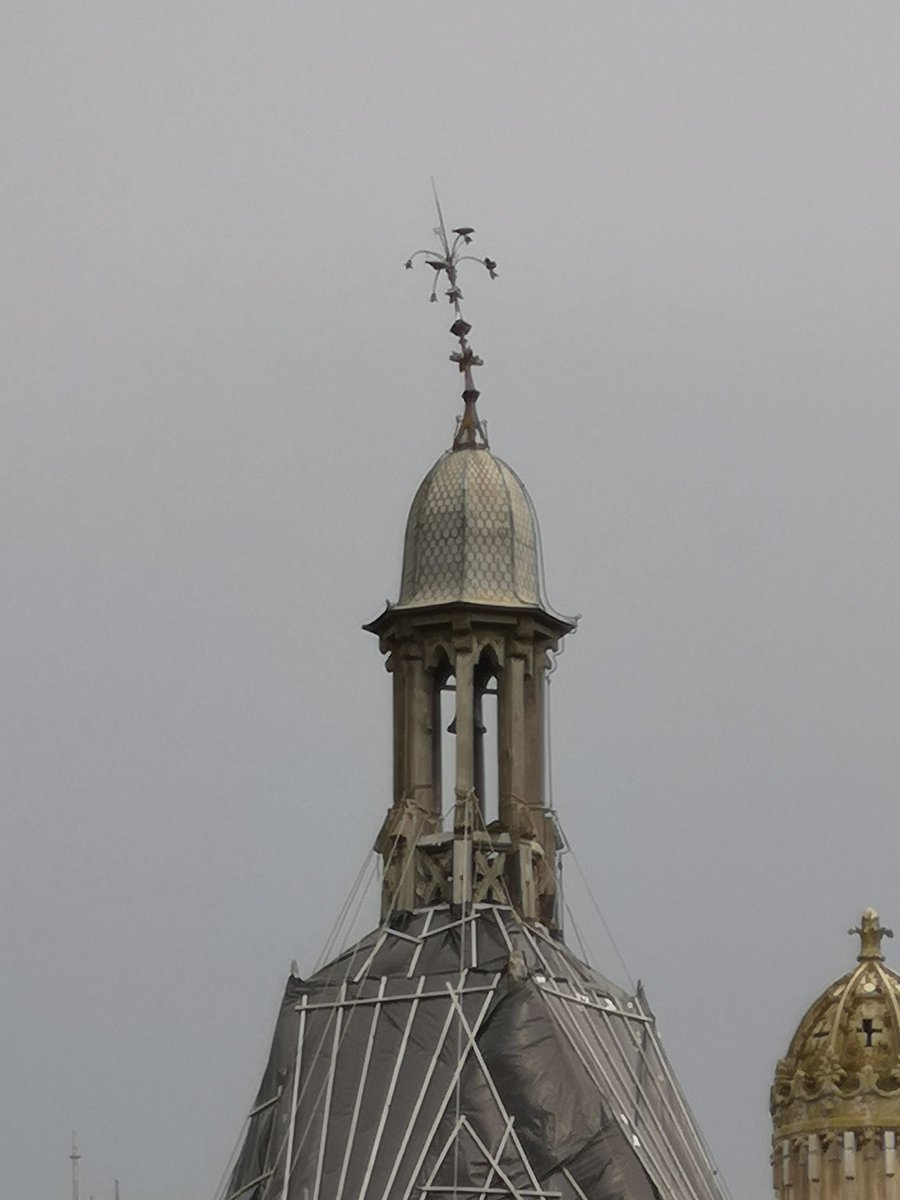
(441, 230)
(74, 1158)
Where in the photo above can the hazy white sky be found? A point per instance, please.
(220, 390)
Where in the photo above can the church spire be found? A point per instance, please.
(469, 645)
(460, 1050)
(470, 433)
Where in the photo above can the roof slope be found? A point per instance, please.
(467, 1056)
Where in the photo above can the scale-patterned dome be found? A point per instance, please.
(842, 1069)
(471, 536)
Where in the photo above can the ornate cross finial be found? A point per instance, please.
(471, 433)
(871, 932)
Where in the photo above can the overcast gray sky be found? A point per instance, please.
(219, 392)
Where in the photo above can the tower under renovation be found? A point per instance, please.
(461, 1050)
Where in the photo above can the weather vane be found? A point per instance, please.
(470, 433)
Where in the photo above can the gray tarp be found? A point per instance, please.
(472, 1056)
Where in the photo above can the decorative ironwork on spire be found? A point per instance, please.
(470, 433)
(871, 932)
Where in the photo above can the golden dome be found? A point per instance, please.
(842, 1069)
(471, 536)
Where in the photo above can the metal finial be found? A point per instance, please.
(470, 433)
(871, 932)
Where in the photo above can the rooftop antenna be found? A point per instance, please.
(115, 1189)
(74, 1158)
(470, 433)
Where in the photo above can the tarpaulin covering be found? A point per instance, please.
(467, 1055)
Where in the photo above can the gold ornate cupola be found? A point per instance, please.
(471, 629)
(836, 1096)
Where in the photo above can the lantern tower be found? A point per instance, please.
(461, 1051)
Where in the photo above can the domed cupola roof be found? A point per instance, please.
(842, 1069)
(471, 536)
(472, 533)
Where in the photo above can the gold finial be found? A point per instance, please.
(471, 433)
(871, 932)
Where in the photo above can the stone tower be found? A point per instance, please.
(461, 1051)
(836, 1095)
(471, 622)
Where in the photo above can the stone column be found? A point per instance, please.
(833, 1177)
(813, 1166)
(465, 777)
(512, 740)
(465, 721)
(535, 684)
(889, 1139)
(398, 681)
(419, 781)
